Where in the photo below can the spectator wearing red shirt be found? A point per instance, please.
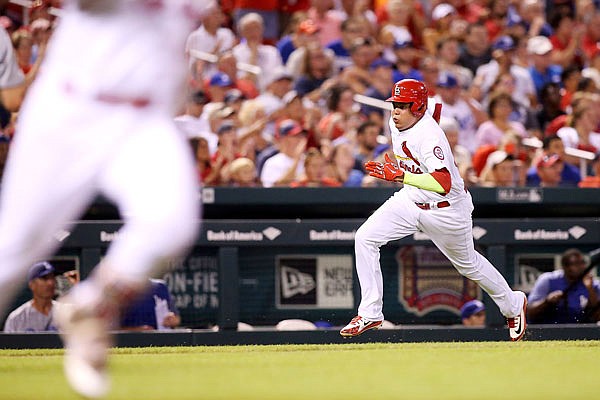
(590, 43)
(566, 39)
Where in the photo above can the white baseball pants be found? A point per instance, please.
(69, 149)
(449, 228)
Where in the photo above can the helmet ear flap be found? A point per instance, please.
(417, 108)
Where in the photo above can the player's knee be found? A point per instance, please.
(362, 237)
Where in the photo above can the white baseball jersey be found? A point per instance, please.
(422, 149)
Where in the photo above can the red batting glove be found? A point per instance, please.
(388, 171)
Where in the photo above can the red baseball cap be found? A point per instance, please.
(548, 160)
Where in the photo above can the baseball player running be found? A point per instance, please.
(99, 119)
(434, 201)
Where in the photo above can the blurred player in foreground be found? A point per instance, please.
(433, 201)
(99, 119)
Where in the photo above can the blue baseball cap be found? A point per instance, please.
(221, 79)
(381, 62)
(289, 127)
(470, 308)
(447, 80)
(402, 44)
(504, 43)
(40, 270)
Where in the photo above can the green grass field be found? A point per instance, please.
(484, 370)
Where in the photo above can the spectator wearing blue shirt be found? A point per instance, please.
(380, 88)
(542, 70)
(352, 29)
(404, 52)
(154, 310)
(564, 296)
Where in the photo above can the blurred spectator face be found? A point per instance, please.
(43, 287)
(314, 166)
(343, 156)
(477, 39)
(252, 31)
(404, 55)
(449, 95)
(593, 27)
(430, 70)
(213, 19)
(551, 95)
(550, 176)
(383, 74)
(346, 103)
(532, 9)
(322, 5)
(541, 61)
(501, 109)
(23, 44)
(556, 147)
(295, 110)
(565, 25)
(319, 65)
(449, 51)
(202, 151)
(368, 137)
(228, 64)
(499, 8)
(458, 28)
(243, 172)
(399, 11)
(477, 319)
(363, 55)
(506, 84)
(280, 87)
(574, 267)
(503, 173)
(353, 31)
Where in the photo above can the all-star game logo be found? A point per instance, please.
(428, 282)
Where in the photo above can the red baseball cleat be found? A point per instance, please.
(518, 324)
(358, 325)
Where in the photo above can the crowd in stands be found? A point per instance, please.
(272, 92)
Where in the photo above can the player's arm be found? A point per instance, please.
(439, 181)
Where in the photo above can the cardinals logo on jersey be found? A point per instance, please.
(408, 153)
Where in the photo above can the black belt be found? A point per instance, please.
(433, 206)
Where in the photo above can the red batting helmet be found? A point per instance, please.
(411, 91)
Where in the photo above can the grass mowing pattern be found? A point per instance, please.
(483, 370)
